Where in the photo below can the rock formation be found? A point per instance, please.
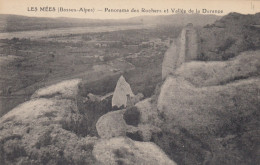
(211, 108)
(229, 36)
(204, 113)
(51, 129)
(125, 151)
(200, 74)
(169, 62)
(147, 111)
(120, 94)
(111, 125)
(191, 43)
(64, 89)
(93, 97)
(125, 123)
(42, 130)
(184, 48)
(193, 108)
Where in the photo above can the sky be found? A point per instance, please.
(97, 7)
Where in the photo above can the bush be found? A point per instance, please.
(132, 116)
(227, 44)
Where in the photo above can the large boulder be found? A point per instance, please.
(169, 61)
(198, 109)
(120, 94)
(111, 124)
(121, 150)
(64, 89)
(201, 74)
(133, 122)
(147, 111)
(46, 130)
(211, 109)
(183, 49)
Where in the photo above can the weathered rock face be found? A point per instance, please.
(191, 43)
(111, 124)
(134, 122)
(184, 48)
(201, 74)
(211, 120)
(211, 109)
(194, 82)
(121, 91)
(64, 89)
(125, 151)
(93, 97)
(43, 130)
(230, 35)
(194, 108)
(147, 111)
(170, 60)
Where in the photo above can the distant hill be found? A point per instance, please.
(178, 19)
(227, 37)
(9, 23)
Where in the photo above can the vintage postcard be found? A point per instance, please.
(129, 82)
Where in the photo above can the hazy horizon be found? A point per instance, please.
(26, 7)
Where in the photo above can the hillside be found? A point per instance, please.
(10, 23)
(227, 37)
(178, 19)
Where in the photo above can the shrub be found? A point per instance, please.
(132, 116)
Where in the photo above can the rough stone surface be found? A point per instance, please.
(184, 48)
(93, 97)
(111, 124)
(125, 151)
(209, 110)
(147, 111)
(170, 60)
(191, 43)
(117, 123)
(201, 74)
(120, 94)
(64, 89)
(196, 109)
(38, 131)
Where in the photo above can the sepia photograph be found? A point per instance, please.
(128, 82)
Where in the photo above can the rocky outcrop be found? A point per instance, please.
(93, 97)
(205, 84)
(133, 122)
(201, 74)
(170, 60)
(64, 89)
(120, 94)
(211, 120)
(194, 108)
(227, 37)
(211, 109)
(184, 48)
(147, 110)
(191, 43)
(125, 151)
(111, 125)
(45, 129)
